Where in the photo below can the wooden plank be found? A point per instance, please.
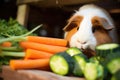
(9, 74)
(27, 1)
(73, 2)
(22, 14)
(58, 3)
(53, 3)
(114, 11)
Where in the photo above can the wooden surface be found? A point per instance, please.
(22, 14)
(28, 1)
(23, 6)
(9, 74)
(53, 3)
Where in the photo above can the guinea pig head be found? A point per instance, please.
(86, 33)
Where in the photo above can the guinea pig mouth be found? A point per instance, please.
(89, 52)
(84, 49)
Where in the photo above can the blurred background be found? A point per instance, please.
(52, 13)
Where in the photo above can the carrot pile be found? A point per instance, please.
(36, 54)
(27, 64)
(42, 47)
(38, 51)
(46, 40)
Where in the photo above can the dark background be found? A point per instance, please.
(54, 18)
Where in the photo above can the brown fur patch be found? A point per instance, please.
(102, 38)
(70, 34)
(73, 22)
(71, 27)
(101, 22)
(101, 33)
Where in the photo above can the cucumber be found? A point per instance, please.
(114, 65)
(80, 62)
(105, 49)
(94, 59)
(73, 50)
(112, 62)
(61, 63)
(94, 71)
(116, 76)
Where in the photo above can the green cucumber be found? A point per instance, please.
(114, 65)
(80, 62)
(112, 62)
(61, 63)
(116, 76)
(106, 49)
(94, 71)
(94, 59)
(73, 50)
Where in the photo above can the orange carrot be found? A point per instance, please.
(42, 47)
(44, 68)
(6, 44)
(35, 54)
(29, 64)
(48, 40)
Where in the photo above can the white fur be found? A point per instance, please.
(84, 38)
(92, 10)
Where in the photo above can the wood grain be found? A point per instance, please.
(22, 14)
(9, 74)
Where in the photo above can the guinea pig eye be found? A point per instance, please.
(77, 28)
(93, 29)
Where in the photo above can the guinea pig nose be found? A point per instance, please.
(82, 42)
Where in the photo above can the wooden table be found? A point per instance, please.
(9, 74)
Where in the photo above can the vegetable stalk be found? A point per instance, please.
(21, 37)
(12, 48)
(12, 54)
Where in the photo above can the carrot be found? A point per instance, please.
(35, 54)
(47, 40)
(6, 44)
(29, 64)
(44, 68)
(42, 47)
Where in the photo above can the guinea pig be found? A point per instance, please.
(88, 27)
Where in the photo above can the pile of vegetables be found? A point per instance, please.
(109, 56)
(104, 66)
(21, 49)
(11, 32)
(26, 50)
(74, 62)
(38, 52)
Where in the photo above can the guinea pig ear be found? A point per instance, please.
(73, 22)
(105, 24)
